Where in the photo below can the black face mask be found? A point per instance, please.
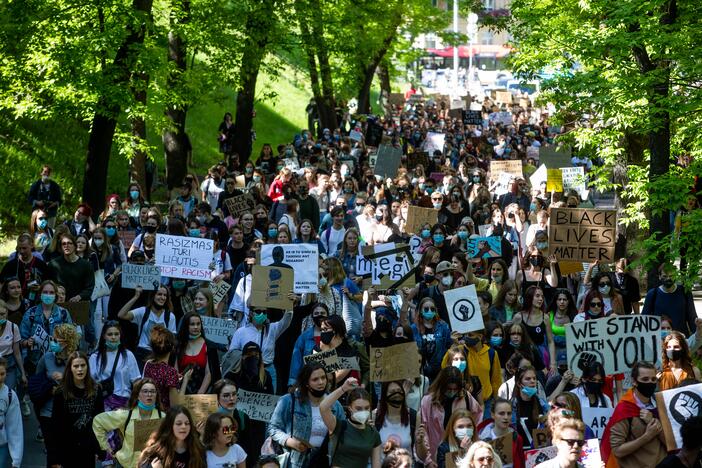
(326, 337)
(428, 278)
(536, 261)
(317, 393)
(383, 326)
(647, 389)
(150, 229)
(593, 387)
(396, 399)
(318, 320)
(250, 365)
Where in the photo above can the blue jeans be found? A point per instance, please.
(274, 377)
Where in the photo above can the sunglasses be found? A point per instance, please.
(429, 309)
(488, 459)
(572, 442)
(606, 284)
(595, 304)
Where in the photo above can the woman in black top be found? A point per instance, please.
(176, 443)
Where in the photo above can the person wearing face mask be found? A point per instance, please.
(677, 364)
(355, 442)
(308, 339)
(459, 435)
(260, 330)
(456, 209)
(252, 375)
(456, 356)
(528, 407)
(613, 301)
(445, 396)
(149, 227)
(672, 300)
(432, 335)
(624, 282)
(634, 435)
(445, 281)
(334, 336)
(592, 308)
(40, 231)
(381, 335)
(590, 391)
(394, 420)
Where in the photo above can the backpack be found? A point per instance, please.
(145, 319)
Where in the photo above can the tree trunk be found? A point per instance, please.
(327, 104)
(312, 67)
(364, 106)
(104, 122)
(174, 139)
(138, 161)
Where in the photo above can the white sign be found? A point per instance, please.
(291, 163)
(574, 178)
(146, 276)
(538, 177)
(393, 266)
(415, 242)
(597, 419)
(258, 406)
(434, 142)
(218, 330)
(41, 340)
(464, 309)
(355, 135)
(616, 342)
(502, 185)
(219, 291)
(184, 257)
(302, 258)
(678, 404)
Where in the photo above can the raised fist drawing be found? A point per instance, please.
(686, 405)
(586, 360)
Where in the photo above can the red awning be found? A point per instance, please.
(496, 50)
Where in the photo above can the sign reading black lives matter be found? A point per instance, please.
(616, 342)
(464, 309)
(674, 407)
(582, 235)
(472, 117)
(240, 204)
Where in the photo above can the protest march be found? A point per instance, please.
(443, 285)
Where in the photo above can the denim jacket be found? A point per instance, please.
(34, 318)
(303, 347)
(280, 426)
(433, 352)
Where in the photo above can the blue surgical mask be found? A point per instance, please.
(178, 284)
(532, 207)
(260, 319)
(272, 232)
(495, 340)
(529, 391)
(460, 365)
(144, 407)
(112, 346)
(428, 314)
(542, 245)
(425, 233)
(195, 337)
(55, 347)
(476, 180)
(257, 179)
(438, 238)
(322, 281)
(42, 224)
(665, 333)
(195, 232)
(134, 194)
(3, 321)
(463, 235)
(110, 231)
(48, 299)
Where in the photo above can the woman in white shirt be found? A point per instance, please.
(220, 437)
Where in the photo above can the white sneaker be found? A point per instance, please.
(26, 409)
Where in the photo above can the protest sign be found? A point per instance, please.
(396, 99)
(503, 448)
(434, 142)
(483, 229)
(418, 217)
(597, 419)
(504, 118)
(374, 134)
(184, 257)
(257, 406)
(584, 235)
(302, 258)
(574, 178)
(186, 303)
(41, 339)
(372, 159)
(388, 161)
(356, 135)
(539, 455)
(328, 359)
(415, 243)
(540, 438)
(396, 362)
(538, 177)
(616, 342)
(291, 163)
(456, 113)
(463, 309)
(485, 247)
(503, 97)
(590, 456)
(127, 238)
(240, 181)
(503, 183)
(570, 267)
(200, 406)
(554, 180)
(80, 311)
(270, 286)
(416, 158)
(554, 156)
(392, 266)
(218, 330)
(512, 167)
(143, 428)
(471, 117)
(241, 204)
(674, 407)
(219, 291)
(146, 276)
(533, 152)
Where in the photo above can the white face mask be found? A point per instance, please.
(604, 289)
(447, 281)
(361, 417)
(463, 433)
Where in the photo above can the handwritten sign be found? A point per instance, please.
(396, 362)
(464, 309)
(418, 217)
(303, 259)
(597, 419)
(675, 406)
(511, 167)
(218, 330)
(258, 406)
(79, 311)
(240, 204)
(41, 340)
(143, 428)
(583, 235)
(485, 247)
(328, 359)
(146, 276)
(616, 342)
(472, 117)
(590, 457)
(200, 406)
(219, 291)
(184, 257)
(434, 142)
(270, 287)
(574, 178)
(392, 266)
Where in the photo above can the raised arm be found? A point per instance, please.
(325, 407)
(125, 312)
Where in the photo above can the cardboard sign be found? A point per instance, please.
(538, 177)
(584, 235)
(570, 267)
(471, 117)
(434, 142)
(270, 287)
(674, 407)
(512, 167)
(418, 217)
(392, 266)
(554, 180)
(617, 342)
(503, 448)
(388, 161)
(396, 99)
(464, 309)
(503, 97)
(200, 406)
(186, 303)
(417, 158)
(143, 428)
(241, 204)
(485, 247)
(184, 257)
(540, 438)
(328, 359)
(303, 259)
(127, 238)
(80, 311)
(219, 291)
(218, 330)
(597, 419)
(257, 406)
(554, 156)
(396, 362)
(574, 178)
(240, 181)
(539, 455)
(146, 276)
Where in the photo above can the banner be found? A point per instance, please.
(597, 419)
(200, 406)
(418, 217)
(184, 257)
(512, 167)
(302, 258)
(674, 407)
(146, 276)
(257, 406)
(396, 362)
(464, 309)
(270, 287)
(616, 342)
(219, 291)
(388, 161)
(241, 204)
(485, 247)
(582, 235)
(218, 330)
